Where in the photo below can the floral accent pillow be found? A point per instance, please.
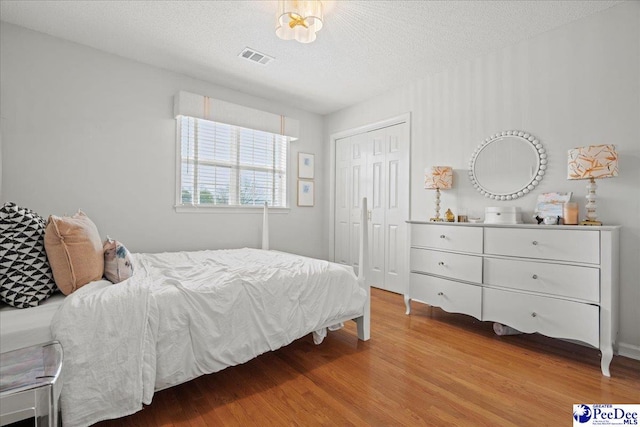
(117, 261)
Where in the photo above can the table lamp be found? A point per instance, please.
(592, 162)
(438, 178)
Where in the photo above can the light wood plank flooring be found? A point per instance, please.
(431, 368)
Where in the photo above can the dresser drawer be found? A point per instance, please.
(451, 296)
(552, 317)
(554, 279)
(561, 245)
(448, 237)
(450, 265)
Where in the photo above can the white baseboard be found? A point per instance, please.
(629, 350)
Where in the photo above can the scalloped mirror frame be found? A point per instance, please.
(526, 187)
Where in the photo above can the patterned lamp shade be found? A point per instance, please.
(438, 177)
(594, 161)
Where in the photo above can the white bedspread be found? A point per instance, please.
(186, 314)
(103, 330)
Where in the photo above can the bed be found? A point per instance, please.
(187, 314)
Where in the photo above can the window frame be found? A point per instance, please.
(241, 209)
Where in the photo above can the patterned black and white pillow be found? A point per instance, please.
(25, 275)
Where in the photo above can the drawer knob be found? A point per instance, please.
(442, 236)
(535, 276)
(534, 314)
(535, 242)
(440, 294)
(441, 263)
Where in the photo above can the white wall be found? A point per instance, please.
(578, 85)
(86, 129)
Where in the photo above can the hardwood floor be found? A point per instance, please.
(431, 368)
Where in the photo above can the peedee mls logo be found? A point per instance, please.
(605, 415)
(581, 413)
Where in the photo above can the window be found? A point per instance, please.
(225, 165)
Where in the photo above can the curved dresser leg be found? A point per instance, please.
(605, 361)
(407, 303)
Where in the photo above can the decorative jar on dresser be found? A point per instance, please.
(560, 281)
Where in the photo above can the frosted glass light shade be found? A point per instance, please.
(438, 177)
(299, 20)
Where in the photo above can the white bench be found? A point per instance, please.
(30, 384)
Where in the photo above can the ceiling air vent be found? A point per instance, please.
(255, 56)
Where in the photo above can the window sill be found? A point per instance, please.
(229, 209)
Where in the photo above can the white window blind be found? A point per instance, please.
(225, 165)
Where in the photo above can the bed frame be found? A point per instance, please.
(363, 322)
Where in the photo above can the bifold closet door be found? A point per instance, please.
(351, 184)
(374, 164)
(342, 219)
(375, 188)
(396, 199)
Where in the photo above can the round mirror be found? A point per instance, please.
(507, 165)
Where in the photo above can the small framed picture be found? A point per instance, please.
(551, 204)
(305, 193)
(305, 165)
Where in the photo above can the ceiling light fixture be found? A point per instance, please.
(299, 20)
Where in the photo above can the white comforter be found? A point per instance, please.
(186, 314)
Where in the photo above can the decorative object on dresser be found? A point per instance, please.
(570, 213)
(592, 162)
(502, 215)
(438, 178)
(561, 282)
(462, 215)
(450, 217)
(551, 204)
(507, 165)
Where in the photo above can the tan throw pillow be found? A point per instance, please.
(74, 250)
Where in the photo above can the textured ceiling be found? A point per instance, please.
(365, 47)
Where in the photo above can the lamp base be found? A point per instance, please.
(589, 222)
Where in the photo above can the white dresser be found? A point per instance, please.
(560, 281)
